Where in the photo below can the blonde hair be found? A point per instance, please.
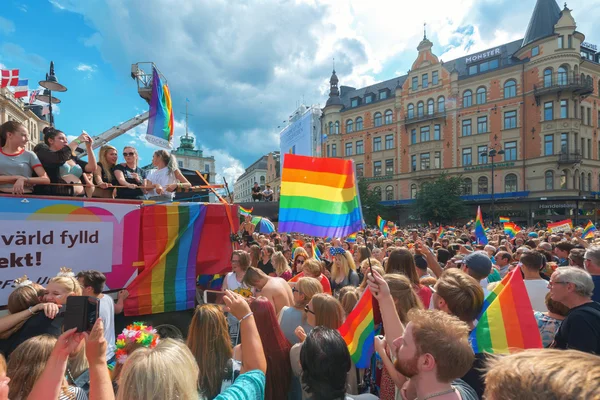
(2, 364)
(106, 166)
(168, 159)
(349, 296)
(279, 263)
(69, 283)
(313, 267)
(136, 154)
(462, 293)
(403, 294)
(328, 311)
(168, 371)
(309, 287)
(377, 268)
(543, 374)
(346, 265)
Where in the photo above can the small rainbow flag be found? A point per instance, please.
(170, 240)
(358, 331)
(245, 211)
(504, 220)
(160, 123)
(351, 238)
(381, 223)
(316, 251)
(479, 229)
(319, 197)
(588, 231)
(441, 232)
(506, 322)
(511, 229)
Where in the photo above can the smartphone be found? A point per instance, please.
(214, 297)
(81, 313)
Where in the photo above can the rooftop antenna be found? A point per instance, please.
(425, 31)
(186, 116)
(334, 65)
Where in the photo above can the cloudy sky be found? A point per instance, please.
(245, 65)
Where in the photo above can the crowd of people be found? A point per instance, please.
(54, 169)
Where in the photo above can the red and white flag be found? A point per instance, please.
(46, 110)
(33, 96)
(22, 88)
(10, 77)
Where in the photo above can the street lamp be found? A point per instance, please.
(50, 84)
(491, 154)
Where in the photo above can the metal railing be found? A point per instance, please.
(425, 117)
(569, 157)
(564, 81)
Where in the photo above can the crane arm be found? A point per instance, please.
(114, 132)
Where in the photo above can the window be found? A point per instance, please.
(548, 111)
(482, 155)
(425, 137)
(425, 80)
(434, 78)
(262, 180)
(582, 113)
(330, 127)
(348, 149)
(589, 149)
(441, 104)
(510, 89)
(467, 187)
(413, 191)
(377, 119)
(510, 151)
(368, 99)
(549, 179)
(415, 83)
(466, 127)
(548, 145)
(360, 148)
(425, 161)
(430, 107)
(437, 132)
(377, 143)
(389, 167)
(562, 76)
(467, 157)
(564, 108)
(389, 142)
(437, 160)
(376, 168)
(383, 95)
(563, 179)
(535, 51)
(570, 41)
(206, 168)
(359, 124)
(481, 95)
(337, 127)
(349, 126)
(354, 103)
(510, 183)
(510, 120)
(334, 150)
(377, 191)
(564, 142)
(467, 98)
(420, 108)
(388, 117)
(410, 111)
(482, 185)
(589, 183)
(589, 116)
(484, 66)
(473, 69)
(389, 193)
(413, 163)
(328, 151)
(180, 163)
(548, 77)
(482, 125)
(413, 136)
(561, 42)
(360, 170)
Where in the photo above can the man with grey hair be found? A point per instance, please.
(580, 330)
(591, 263)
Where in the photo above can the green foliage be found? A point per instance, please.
(370, 202)
(439, 201)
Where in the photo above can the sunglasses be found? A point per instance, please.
(308, 310)
(294, 290)
(299, 261)
(129, 154)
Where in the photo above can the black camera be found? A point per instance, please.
(81, 313)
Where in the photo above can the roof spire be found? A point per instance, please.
(546, 14)
(424, 30)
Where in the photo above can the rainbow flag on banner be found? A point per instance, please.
(351, 238)
(561, 226)
(358, 330)
(511, 229)
(160, 122)
(506, 322)
(588, 231)
(245, 211)
(170, 240)
(504, 220)
(479, 229)
(319, 197)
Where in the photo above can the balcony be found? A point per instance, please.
(558, 83)
(569, 157)
(415, 119)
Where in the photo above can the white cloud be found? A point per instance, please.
(87, 69)
(58, 4)
(6, 26)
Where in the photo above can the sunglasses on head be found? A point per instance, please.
(128, 154)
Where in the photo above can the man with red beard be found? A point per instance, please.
(432, 351)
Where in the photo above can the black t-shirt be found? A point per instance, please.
(266, 268)
(580, 330)
(256, 190)
(52, 161)
(37, 325)
(475, 377)
(125, 193)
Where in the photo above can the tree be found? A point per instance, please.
(370, 201)
(439, 201)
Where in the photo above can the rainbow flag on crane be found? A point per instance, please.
(161, 121)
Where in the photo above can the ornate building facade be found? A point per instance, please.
(534, 101)
(13, 109)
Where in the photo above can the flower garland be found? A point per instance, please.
(138, 333)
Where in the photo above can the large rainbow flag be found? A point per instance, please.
(319, 197)
(506, 322)
(511, 229)
(479, 229)
(588, 231)
(358, 330)
(168, 280)
(561, 226)
(161, 121)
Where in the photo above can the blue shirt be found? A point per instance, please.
(248, 386)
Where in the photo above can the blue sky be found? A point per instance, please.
(245, 65)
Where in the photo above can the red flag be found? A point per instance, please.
(10, 77)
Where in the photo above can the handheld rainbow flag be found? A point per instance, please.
(511, 229)
(504, 219)
(561, 226)
(441, 232)
(316, 251)
(506, 322)
(588, 231)
(479, 229)
(319, 197)
(245, 211)
(160, 122)
(168, 281)
(358, 330)
(351, 238)
(381, 223)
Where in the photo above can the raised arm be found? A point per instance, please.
(95, 351)
(92, 165)
(391, 321)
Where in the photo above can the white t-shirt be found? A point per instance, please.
(537, 289)
(163, 178)
(107, 313)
